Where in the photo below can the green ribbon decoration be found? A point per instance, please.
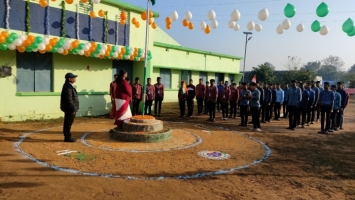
(63, 19)
(106, 26)
(28, 17)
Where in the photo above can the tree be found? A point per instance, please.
(269, 65)
(352, 69)
(263, 73)
(335, 61)
(292, 63)
(328, 72)
(313, 66)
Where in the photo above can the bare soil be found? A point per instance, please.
(302, 165)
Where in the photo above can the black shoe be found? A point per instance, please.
(320, 132)
(70, 140)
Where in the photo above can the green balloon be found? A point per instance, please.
(99, 46)
(54, 49)
(34, 46)
(76, 51)
(14, 36)
(290, 10)
(9, 40)
(38, 40)
(3, 46)
(316, 26)
(322, 10)
(81, 46)
(29, 49)
(352, 33)
(113, 50)
(348, 26)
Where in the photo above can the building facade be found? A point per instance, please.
(32, 89)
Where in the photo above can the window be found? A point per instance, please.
(203, 75)
(219, 77)
(186, 76)
(165, 75)
(34, 72)
(231, 77)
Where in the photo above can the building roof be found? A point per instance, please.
(128, 6)
(180, 48)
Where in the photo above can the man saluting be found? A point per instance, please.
(69, 104)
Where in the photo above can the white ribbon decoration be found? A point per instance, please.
(117, 29)
(77, 22)
(7, 14)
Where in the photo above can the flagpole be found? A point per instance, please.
(146, 57)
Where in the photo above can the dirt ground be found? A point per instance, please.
(302, 165)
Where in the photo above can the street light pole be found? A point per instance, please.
(245, 53)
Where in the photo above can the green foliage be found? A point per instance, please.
(352, 69)
(335, 61)
(264, 73)
(328, 72)
(313, 66)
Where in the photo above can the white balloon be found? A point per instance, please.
(45, 40)
(118, 49)
(115, 55)
(18, 42)
(22, 37)
(188, 15)
(203, 25)
(88, 44)
(279, 29)
(97, 55)
(67, 46)
(34, 50)
(236, 27)
(263, 14)
(324, 30)
(11, 46)
(174, 16)
(214, 24)
(104, 47)
(60, 50)
(42, 47)
(258, 27)
(211, 15)
(81, 52)
(86, 48)
(251, 26)
(102, 52)
(235, 15)
(300, 27)
(286, 24)
(231, 24)
(96, 1)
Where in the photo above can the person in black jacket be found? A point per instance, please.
(191, 94)
(69, 104)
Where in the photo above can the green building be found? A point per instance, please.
(31, 82)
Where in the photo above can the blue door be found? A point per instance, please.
(125, 65)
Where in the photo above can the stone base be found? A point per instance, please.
(160, 136)
(142, 129)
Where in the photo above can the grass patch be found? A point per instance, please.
(81, 156)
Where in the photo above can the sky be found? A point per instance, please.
(266, 45)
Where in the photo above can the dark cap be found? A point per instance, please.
(294, 81)
(70, 75)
